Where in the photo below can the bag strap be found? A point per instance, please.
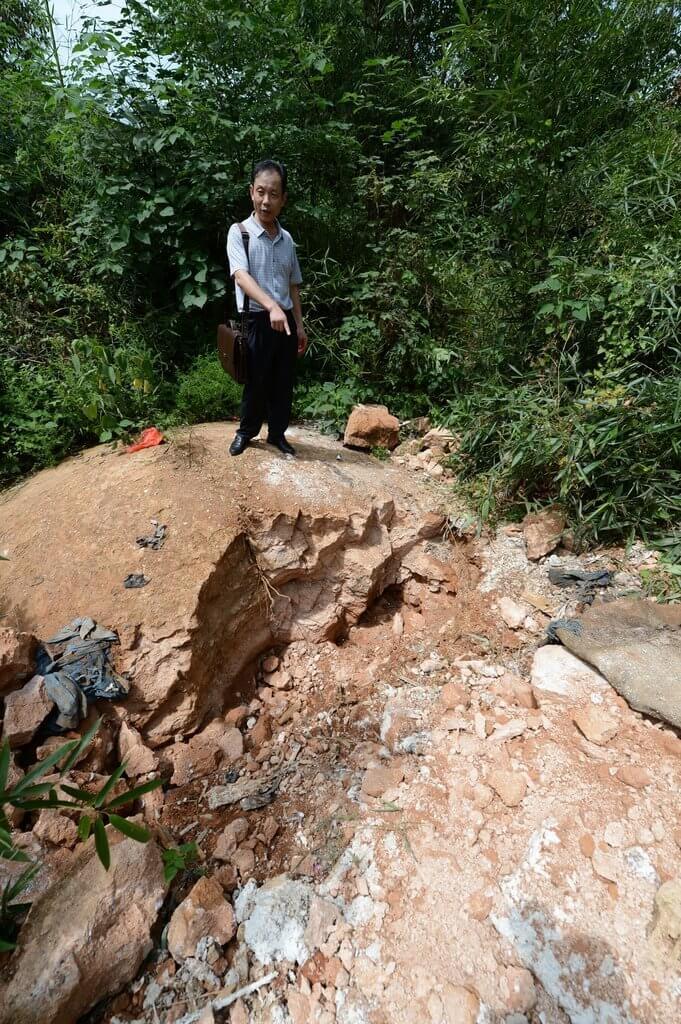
(244, 313)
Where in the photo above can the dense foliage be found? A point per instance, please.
(485, 196)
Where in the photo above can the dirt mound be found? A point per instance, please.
(259, 550)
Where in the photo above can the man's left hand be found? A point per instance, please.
(302, 340)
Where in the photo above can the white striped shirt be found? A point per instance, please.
(272, 262)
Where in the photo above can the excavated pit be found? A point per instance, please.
(285, 578)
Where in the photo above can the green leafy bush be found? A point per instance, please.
(611, 455)
(205, 392)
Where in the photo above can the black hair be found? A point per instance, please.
(270, 165)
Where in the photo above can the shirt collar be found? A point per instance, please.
(259, 230)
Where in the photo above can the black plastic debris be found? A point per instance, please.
(156, 539)
(569, 577)
(79, 671)
(587, 583)
(134, 580)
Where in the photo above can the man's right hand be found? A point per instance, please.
(278, 320)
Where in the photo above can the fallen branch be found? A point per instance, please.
(225, 1001)
(222, 1002)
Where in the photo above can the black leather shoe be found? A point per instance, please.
(238, 445)
(282, 444)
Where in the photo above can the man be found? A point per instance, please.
(271, 278)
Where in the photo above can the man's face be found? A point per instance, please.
(267, 196)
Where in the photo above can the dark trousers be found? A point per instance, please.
(271, 362)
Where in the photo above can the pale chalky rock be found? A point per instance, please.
(25, 711)
(275, 918)
(134, 753)
(204, 913)
(597, 724)
(542, 532)
(511, 787)
(16, 657)
(512, 613)
(371, 426)
(558, 673)
(86, 937)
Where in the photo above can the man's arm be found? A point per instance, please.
(298, 316)
(251, 287)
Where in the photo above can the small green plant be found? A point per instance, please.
(329, 404)
(379, 452)
(95, 810)
(178, 858)
(664, 581)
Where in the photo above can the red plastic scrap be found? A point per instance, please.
(149, 438)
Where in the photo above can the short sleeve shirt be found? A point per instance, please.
(272, 262)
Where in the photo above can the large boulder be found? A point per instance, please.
(259, 551)
(371, 426)
(86, 936)
(636, 645)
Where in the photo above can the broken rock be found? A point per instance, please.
(461, 1005)
(231, 836)
(522, 994)
(371, 426)
(16, 657)
(25, 711)
(596, 724)
(453, 695)
(665, 929)
(511, 787)
(55, 828)
(87, 936)
(134, 753)
(636, 644)
(204, 913)
(542, 532)
(377, 780)
(633, 775)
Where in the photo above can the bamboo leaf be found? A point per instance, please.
(102, 844)
(130, 828)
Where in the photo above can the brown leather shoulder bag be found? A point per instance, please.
(232, 336)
